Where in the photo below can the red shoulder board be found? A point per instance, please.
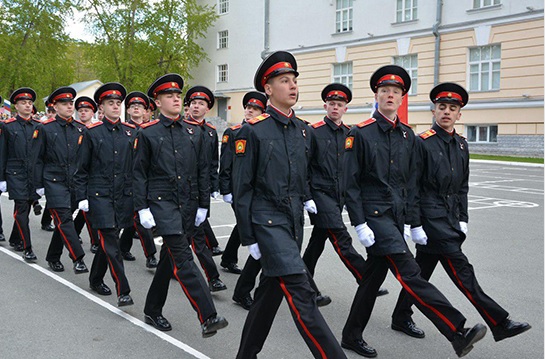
(10, 120)
(318, 124)
(366, 122)
(49, 120)
(144, 125)
(305, 121)
(192, 122)
(345, 125)
(78, 121)
(37, 121)
(210, 125)
(91, 125)
(259, 118)
(236, 127)
(427, 134)
(128, 124)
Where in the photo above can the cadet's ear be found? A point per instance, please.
(268, 89)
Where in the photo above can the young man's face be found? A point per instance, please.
(170, 104)
(389, 98)
(198, 109)
(65, 109)
(136, 111)
(446, 115)
(335, 109)
(24, 108)
(251, 112)
(50, 113)
(282, 90)
(147, 115)
(85, 114)
(111, 109)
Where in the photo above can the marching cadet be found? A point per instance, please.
(57, 146)
(86, 108)
(2, 236)
(17, 168)
(46, 220)
(104, 187)
(270, 192)
(443, 167)
(327, 184)
(137, 104)
(201, 100)
(169, 170)
(381, 193)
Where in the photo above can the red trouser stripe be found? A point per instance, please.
(57, 219)
(193, 302)
(343, 258)
(89, 229)
(198, 257)
(468, 294)
(114, 274)
(410, 291)
(20, 229)
(140, 236)
(299, 319)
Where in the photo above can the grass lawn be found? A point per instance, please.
(505, 158)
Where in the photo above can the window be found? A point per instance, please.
(342, 73)
(406, 10)
(223, 39)
(343, 22)
(482, 133)
(477, 4)
(223, 73)
(223, 6)
(409, 63)
(484, 68)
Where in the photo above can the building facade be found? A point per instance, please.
(494, 48)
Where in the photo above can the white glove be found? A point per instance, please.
(407, 232)
(83, 205)
(254, 251)
(40, 191)
(419, 236)
(463, 227)
(201, 216)
(365, 234)
(228, 198)
(3, 186)
(146, 218)
(215, 195)
(310, 206)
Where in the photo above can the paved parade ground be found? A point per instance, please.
(55, 315)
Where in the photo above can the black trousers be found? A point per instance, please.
(1, 222)
(176, 259)
(46, 216)
(210, 237)
(342, 243)
(429, 300)
(145, 235)
(83, 220)
(301, 300)
(65, 233)
(462, 275)
(109, 255)
(230, 253)
(20, 232)
(198, 242)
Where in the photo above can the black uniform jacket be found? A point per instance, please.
(210, 140)
(58, 148)
(381, 181)
(443, 166)
(226, 158)
(327, 173)
(270, 184)
(104, 174)
(17, 157)
(170, 171)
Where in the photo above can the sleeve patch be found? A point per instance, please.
(80, 138)
(349, 143)
(35, 134)
(225, 139)
(135, 143)
(240, 147)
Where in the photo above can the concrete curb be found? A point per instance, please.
(505, 163)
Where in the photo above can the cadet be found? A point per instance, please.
(137, 104)
(380, 172)
(58, 141)
(2, 236)
(46, 220)
(443, 159)
(270, 190)
(17, 167)
(201, 100)
(104, 187)
(169, 170)
(148, 116)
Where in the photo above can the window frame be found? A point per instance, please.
(412, 71)
(223, 41)
(222, 75)
(223, 7)
(344, 78)
(478, 139)
(490, 72)
(401, 13)
(340, 12)
(481, 4)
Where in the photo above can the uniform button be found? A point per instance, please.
(96, 194)
(452, 169)
(391, 161)
(14, 173)
(179, 177)
(54, 179)
(159, 198)
(376, 212)
(175, 151)
(269, 221)
(285, 126)
(115, 175)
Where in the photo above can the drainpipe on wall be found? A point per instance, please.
(435, 30)
(265, 51)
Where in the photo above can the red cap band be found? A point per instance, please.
(108, 93)
(337, 93)
(273, 68)
(199, 95)
(447, 94)
(254, 101)
(390, 77)
(61, 96)
(166, 85)
(138, 100)
(23, 94)
(83, 104)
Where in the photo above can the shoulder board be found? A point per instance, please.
(79, 122)
(463, 138)
(148, 124)
(305, 121)
(37, 121)
(92, 125)
(10, 120)
(366, 122)
(318, 124)
(427, 134)
(49, 120)
(259, 118)
(406, 124)
(128, 124)
(236, 127)
(345, 125)
(192, 122)
(210, 125)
